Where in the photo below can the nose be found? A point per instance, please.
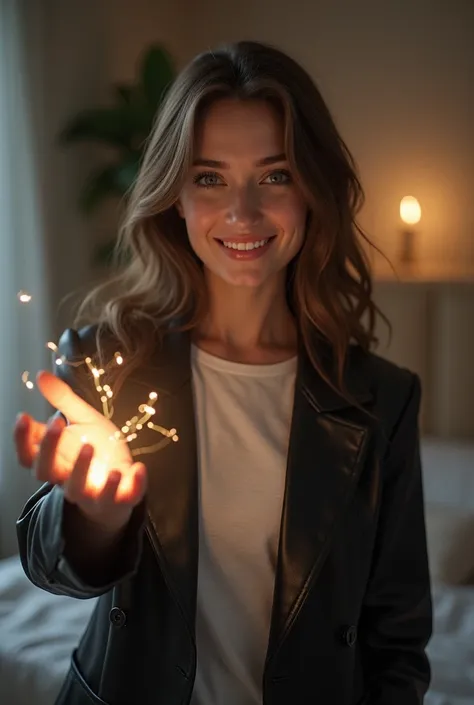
(244, 209)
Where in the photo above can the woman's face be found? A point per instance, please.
(245, 216)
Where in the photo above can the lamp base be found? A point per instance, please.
(407, 249)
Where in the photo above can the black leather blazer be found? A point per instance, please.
(352, 610)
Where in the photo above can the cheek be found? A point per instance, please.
(199, 213)
(288, 210)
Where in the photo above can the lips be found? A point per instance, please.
(245, 249)
(245, 243)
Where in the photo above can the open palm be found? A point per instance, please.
(86, 425)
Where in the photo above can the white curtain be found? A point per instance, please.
(52, 64)
(22, 265)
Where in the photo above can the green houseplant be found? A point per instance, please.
(123, 127)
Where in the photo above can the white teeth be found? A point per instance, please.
(245, 245)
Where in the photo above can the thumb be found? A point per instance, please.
(60, 395)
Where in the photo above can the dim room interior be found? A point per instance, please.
(399, 79)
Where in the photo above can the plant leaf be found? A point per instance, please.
(103, 254)
(139, 115)
(110, 125)
(157, 74)
(113, 180)
(126, 172)
(100, 185)
(124, 93)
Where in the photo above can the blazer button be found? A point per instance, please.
(117, 617)
(349, 635)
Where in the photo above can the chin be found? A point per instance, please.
(251, 280)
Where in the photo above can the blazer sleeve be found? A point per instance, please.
(396, 619)
(39, 526)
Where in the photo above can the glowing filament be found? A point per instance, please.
(99, 468)
(27, 382)
(129, 432)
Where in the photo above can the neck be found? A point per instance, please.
(248, 324)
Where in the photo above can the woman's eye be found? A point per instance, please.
(207, 180)
(279, 177)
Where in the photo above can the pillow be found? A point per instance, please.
(450, 537)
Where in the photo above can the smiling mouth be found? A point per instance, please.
(245, 246)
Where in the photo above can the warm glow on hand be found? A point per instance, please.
(87, 425)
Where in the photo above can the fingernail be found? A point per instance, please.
(21, 420)
(54, 425)
(87, 449)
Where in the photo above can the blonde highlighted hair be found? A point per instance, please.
(161, 285)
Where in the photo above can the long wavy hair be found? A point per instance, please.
(161, 286)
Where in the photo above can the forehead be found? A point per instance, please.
(234, 128)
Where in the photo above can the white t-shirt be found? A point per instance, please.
(243, 415)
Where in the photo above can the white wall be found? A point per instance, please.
(130, 27)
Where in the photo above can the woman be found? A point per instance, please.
(276, 553)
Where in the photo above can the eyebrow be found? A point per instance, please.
(214, 164)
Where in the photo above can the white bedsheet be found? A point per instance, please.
(38, 631)
(451, 650)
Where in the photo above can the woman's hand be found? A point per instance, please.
(96, 471)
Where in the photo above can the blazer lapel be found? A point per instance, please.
(172, 497)
(325, 458)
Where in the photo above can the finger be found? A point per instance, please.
(22, 436)
(108, 494)
(45, 459)
(133, 486)
(140, 482)
(60, 395)
(59, 415)
(75, 486)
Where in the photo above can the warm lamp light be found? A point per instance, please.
(410, 213)
(410, 210)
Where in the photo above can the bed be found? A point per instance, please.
(38, 631)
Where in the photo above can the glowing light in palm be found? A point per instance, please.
(87, 425)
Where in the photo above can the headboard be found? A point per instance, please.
(433, 335)
(448, 472)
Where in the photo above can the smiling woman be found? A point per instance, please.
(249, 209)
(276, 554)
(243, 156)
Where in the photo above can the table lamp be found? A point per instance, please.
(410, 213)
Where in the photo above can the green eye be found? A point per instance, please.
(278, 178)
(206, 179)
